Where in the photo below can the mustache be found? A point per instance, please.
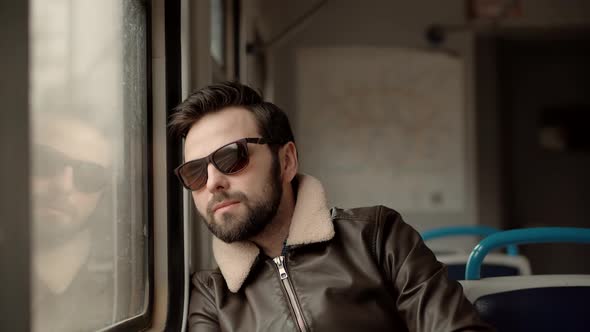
(225, 196)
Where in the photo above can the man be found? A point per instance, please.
(71, 162)
(287, 262)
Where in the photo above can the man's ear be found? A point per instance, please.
(289, 161)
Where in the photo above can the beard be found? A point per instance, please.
(53, 228)
(259, 214)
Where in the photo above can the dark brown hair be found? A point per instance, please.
(273, 123)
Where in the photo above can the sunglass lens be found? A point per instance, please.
(88, 177)
(194, 174)
(231, 158)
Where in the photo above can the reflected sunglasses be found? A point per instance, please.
(228, 159)
(88, 177)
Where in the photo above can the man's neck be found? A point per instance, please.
(272, 238)
(56, 268)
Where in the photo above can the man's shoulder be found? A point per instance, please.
(207, 278)
(364, 214)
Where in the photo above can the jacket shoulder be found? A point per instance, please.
(376, 224)
(208, 279)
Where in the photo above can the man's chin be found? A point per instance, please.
(228, 234)
(225, 235)
(52, 232)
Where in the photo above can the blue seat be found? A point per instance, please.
(530, 303)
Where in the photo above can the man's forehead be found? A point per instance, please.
(217, 129)
(76, 140)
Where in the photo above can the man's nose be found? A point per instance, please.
(64, 181)
(216, 181)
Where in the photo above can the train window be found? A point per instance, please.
(218, 34)
(89, 163)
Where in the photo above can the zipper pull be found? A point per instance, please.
(280, 262)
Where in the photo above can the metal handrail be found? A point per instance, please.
(522, 236)
(512, 250)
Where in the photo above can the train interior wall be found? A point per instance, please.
(395, 31)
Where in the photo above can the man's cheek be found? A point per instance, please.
(200, 204)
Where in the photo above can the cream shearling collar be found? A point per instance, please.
(311, 223)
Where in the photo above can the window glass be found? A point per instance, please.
(88, 172)
(218, 32)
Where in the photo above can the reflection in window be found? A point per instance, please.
(88, 113)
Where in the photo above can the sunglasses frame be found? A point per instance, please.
(241, 142)
(76, 166)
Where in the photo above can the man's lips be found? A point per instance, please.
(223, 204)
(53, 209)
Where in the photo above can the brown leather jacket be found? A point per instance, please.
(363, 269)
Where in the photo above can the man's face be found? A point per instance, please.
(70, 162)
(237, 206)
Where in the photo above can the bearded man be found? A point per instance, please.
(286, 261)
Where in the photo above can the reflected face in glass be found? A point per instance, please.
(71, 162)
(235, 206)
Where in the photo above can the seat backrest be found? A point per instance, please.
(494, 265)
(532, 303)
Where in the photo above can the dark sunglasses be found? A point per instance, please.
(228, 159)
(88, 176)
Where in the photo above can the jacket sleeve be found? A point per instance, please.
(426, 299)
(202, 313)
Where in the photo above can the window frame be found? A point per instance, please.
(143, 321)
(175, 203)
(15, 225)
(15, 211)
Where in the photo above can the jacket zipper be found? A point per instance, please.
(280, 262)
